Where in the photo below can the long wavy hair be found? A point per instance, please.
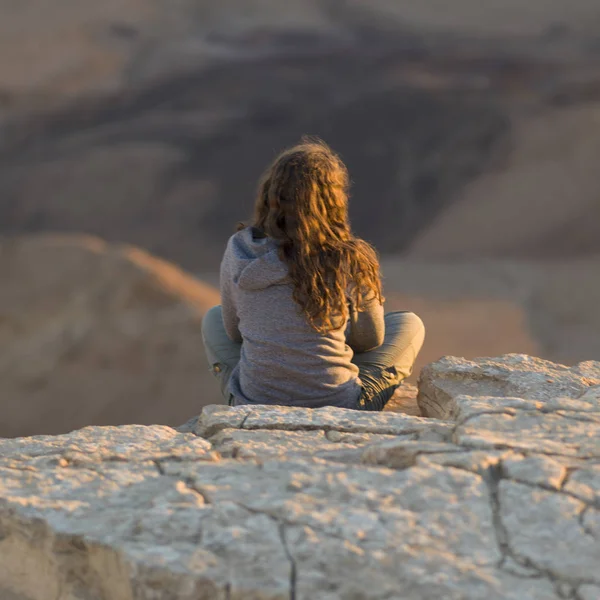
(302, 203)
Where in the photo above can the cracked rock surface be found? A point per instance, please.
(500, 500)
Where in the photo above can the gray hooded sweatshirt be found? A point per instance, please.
(283, 360)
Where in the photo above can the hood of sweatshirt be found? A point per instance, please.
(254, 260)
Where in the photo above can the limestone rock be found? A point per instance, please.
(400, 454)
(327, 418)
(242, 443)
(536, 470)
(484, 463)
(276, 502)
(216, 417)
(585, 484)
(514, 375)
(535, 520)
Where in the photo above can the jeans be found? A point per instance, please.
(381, 370)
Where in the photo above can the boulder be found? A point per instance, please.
(519, 375)
(500, 501)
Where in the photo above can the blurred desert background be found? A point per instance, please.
(133, 132)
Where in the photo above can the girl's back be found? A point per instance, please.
(301, 298)
(283, 359)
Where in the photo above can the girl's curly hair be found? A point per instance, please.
(302, 203)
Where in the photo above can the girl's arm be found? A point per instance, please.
(366, 328)
(230, 317)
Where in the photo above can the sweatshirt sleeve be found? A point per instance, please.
(366, 329)
(228, 309)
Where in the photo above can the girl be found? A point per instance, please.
(301, 321)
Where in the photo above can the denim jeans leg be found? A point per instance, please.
(382, 369)
(222, 353)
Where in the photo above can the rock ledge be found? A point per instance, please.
(499, 500)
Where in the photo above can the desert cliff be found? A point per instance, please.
(493, 495)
